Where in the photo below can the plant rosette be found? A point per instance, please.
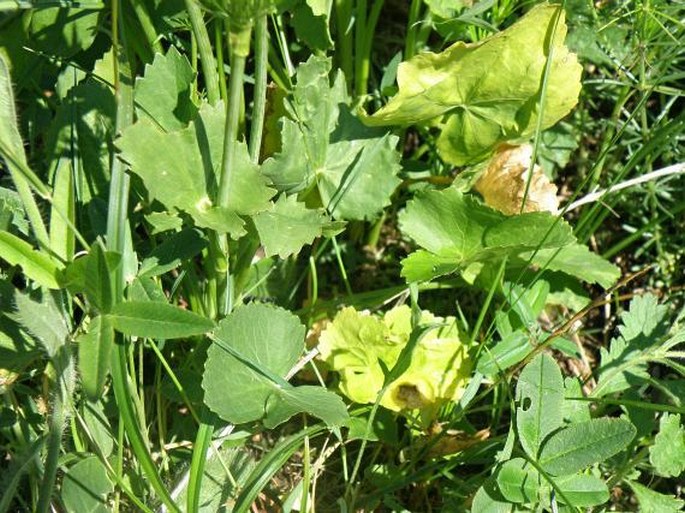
(361, 347)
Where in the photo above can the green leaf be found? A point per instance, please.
(316, 401)
(95, 356)
(288, 225)
(35, 264)
(581, 490)
(667, 455)
(180, 170)
(171, 253)
(86, 486)
(460, 234)
(43, 320)
(655, 502)
(163, 94)
(518, 481)
(255, 347)
(157, 320)
(576, 260)
(540, 396)
(11, 143)
(574, 410)
(310, 21)
(352, 167)
(625, 363)
(62, 31)
(99, 278)
(488, 92)
(507, 352)
(488, 499)
(582, 444)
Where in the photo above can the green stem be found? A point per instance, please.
(364, 56)
(147, 26)
(260, 77)
(219, 45)
(117, 218)
(414, 14)
(197, 466)
(62, 363)
(360, 58)
(343, 16)
(207, 60)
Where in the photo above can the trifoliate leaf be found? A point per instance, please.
(667, 455)
(488, 92)
(507, 181)
(180, 169)
(355, 343)
(254, 348)
(288, 225)
(163, 94)
(352, 167)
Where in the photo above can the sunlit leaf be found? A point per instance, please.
(486, 93)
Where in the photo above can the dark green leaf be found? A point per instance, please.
(580, 445)
(175, 249)
(157, 320)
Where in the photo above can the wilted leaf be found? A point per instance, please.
(354, 343)
(486, 93)
(504, 182)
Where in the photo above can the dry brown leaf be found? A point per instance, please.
(503, 184)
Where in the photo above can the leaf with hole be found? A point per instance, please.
(540, 396)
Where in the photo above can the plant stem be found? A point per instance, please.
(414, 14)
(207, 60)
(203, 439)
(343, 16)
(260, 77)
(64, 384)
(147, 26)
(117, 219)
(359, 38)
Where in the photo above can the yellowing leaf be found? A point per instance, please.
(356, 342)
(487, 93)
(503, 184)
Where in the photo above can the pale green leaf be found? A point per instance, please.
(289, 225)
(35, 264)
(316, 401)
(157, 320)
(581, 490)
(43, 320)
(10, 138)
(95, 356)
(540, 396)
(577, 260)
(488, 92)
(582, 444)
(506, 353)
(518, 481)
(269, 340)
(163, 94)
(667, 455)
(180, 169)
(655, 502)
(86, 486)
(352, 167)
